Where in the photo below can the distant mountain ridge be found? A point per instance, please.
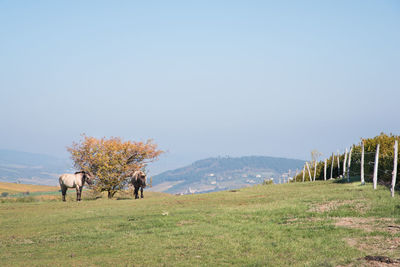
(223, 173)
(31, 168)
(207, 175)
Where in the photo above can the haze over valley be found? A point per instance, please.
(207, 175)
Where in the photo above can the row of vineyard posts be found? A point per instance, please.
(372, 160)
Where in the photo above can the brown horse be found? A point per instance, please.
(138, 181)
(77, 181)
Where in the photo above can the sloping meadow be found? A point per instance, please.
(302, 224)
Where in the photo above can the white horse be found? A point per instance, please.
(76, 180)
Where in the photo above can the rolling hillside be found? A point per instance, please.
(223, 173)
(297, 224)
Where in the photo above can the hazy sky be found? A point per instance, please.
(202, 78)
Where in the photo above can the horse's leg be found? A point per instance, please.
(141, 192)
(136, 192)
(78, 193)
(63, 192)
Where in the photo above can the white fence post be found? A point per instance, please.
(362, 163)
(309, 172)
(325, 171)
(375, 179)
(344, 163)
(348, 165)
(315, 169)
(396, 147)
(333, 161)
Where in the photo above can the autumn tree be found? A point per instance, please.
(112, 161)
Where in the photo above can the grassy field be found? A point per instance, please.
(302, 224)
(17, 188)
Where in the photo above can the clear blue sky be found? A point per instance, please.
(202, 78)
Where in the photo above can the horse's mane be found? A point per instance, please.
(137, 173)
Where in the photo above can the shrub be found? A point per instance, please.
(268, 181)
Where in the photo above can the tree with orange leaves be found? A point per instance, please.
(112, 161)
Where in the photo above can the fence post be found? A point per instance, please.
(375, 179)
(325, 171)
(304, 171)
(333, 161)
(396, 147)
(315, 169)
(362, 163)
(348, 166)
(309, 172)
(344, 163)
(338, 163)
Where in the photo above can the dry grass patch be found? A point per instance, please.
(375, 247)
(7, 187)
(369, 224)
(359, 206)
(373, 261)
(376, 244)
(48, 197)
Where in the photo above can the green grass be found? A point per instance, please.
(271, 225)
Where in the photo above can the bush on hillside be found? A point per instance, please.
(268, 181)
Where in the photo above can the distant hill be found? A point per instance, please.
(223, 173)
(31, 168)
